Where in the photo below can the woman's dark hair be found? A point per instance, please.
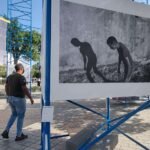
(19, 66)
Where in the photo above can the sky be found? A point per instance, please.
(36, 12)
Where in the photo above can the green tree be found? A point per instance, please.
(2, 71)
(35, 71)
(19, 42)
(14, 40)
(36, 45)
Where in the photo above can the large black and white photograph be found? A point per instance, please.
(102, 46)
(99, 49)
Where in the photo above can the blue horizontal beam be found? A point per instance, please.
(88, 109)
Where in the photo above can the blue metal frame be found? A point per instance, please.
(45, 137)
(22, 11)
(108, 122)
(128, 116)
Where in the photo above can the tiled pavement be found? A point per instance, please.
(71, 119)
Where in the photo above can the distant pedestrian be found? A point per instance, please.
(16, 90)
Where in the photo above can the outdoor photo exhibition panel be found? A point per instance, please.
(99, 49)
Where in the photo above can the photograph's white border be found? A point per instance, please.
(65, 91)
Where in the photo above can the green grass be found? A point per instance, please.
(36, 89)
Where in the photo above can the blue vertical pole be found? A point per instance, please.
(30, 46)
(47, 75)
(7, 46)
(108, 112)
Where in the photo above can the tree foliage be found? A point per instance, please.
(36, 45)
(36, 71)
(2, 71)
(19, 42)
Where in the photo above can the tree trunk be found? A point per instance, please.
(16, 60)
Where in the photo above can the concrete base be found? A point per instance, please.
(81, 137)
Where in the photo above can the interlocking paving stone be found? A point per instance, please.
(71, 119)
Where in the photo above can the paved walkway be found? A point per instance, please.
(71, 119)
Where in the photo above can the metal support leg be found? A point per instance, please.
(108, 112)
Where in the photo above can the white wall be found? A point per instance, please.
(3, 29)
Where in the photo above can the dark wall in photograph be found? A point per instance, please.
(89, 59)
